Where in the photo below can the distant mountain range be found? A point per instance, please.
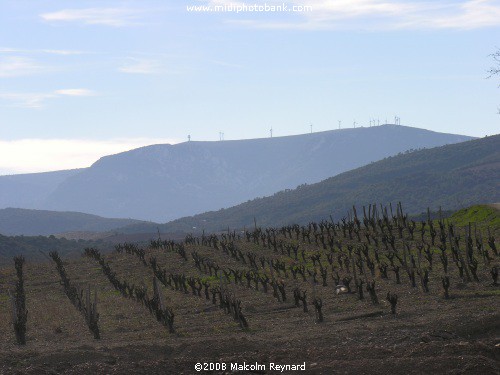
(453, 176)
(165, 182)
(32, 189)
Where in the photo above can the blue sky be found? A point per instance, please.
(83, 79)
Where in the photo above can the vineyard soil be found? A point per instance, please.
(429, 334)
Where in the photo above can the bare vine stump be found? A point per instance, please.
(318, 304)
(446, 286)
(393, 300)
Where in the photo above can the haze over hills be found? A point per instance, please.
(31, 189)
(164, 182)
(452, 176)
(18, 221)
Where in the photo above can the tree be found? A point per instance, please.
(494, 70)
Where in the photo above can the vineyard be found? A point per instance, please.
(371, 293)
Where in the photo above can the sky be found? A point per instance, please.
(82, 79)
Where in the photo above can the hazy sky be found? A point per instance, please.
(81, 79)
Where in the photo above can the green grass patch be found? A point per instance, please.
(481, 215)
(209, 279)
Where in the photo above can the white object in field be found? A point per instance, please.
(340, 289)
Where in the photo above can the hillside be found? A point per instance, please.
(17, 221)
(31, 189)
(164, 182)
(36, 248)
(480, 215)
(452, 176)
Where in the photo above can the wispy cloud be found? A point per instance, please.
(56, 154)
(116, 17)
(141, 66)
(62, 52)
(226, 2)
(471, 14)
(75, 92)
(26, 100)
(15, 66)
(36, 51)
(226, 64)
(357, 8)
(379, 14)
(37, 100)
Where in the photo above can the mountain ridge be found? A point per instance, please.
(14, 187)
(452, 176)
(164, 182)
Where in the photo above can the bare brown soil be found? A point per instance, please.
(428, 335)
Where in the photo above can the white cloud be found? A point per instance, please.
(75, 92)
(225, 64)
(115, 17)
(15, 66)
(26, 100)
(472, 14)
(380, 14)
(227, 2)
(48, 51)
(61, 52)
(39, 155)
(37, 100)
(141, 66)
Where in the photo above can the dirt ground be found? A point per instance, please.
(428, 335)
(405, 349)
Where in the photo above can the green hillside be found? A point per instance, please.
(452, 176)
(484, 215)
